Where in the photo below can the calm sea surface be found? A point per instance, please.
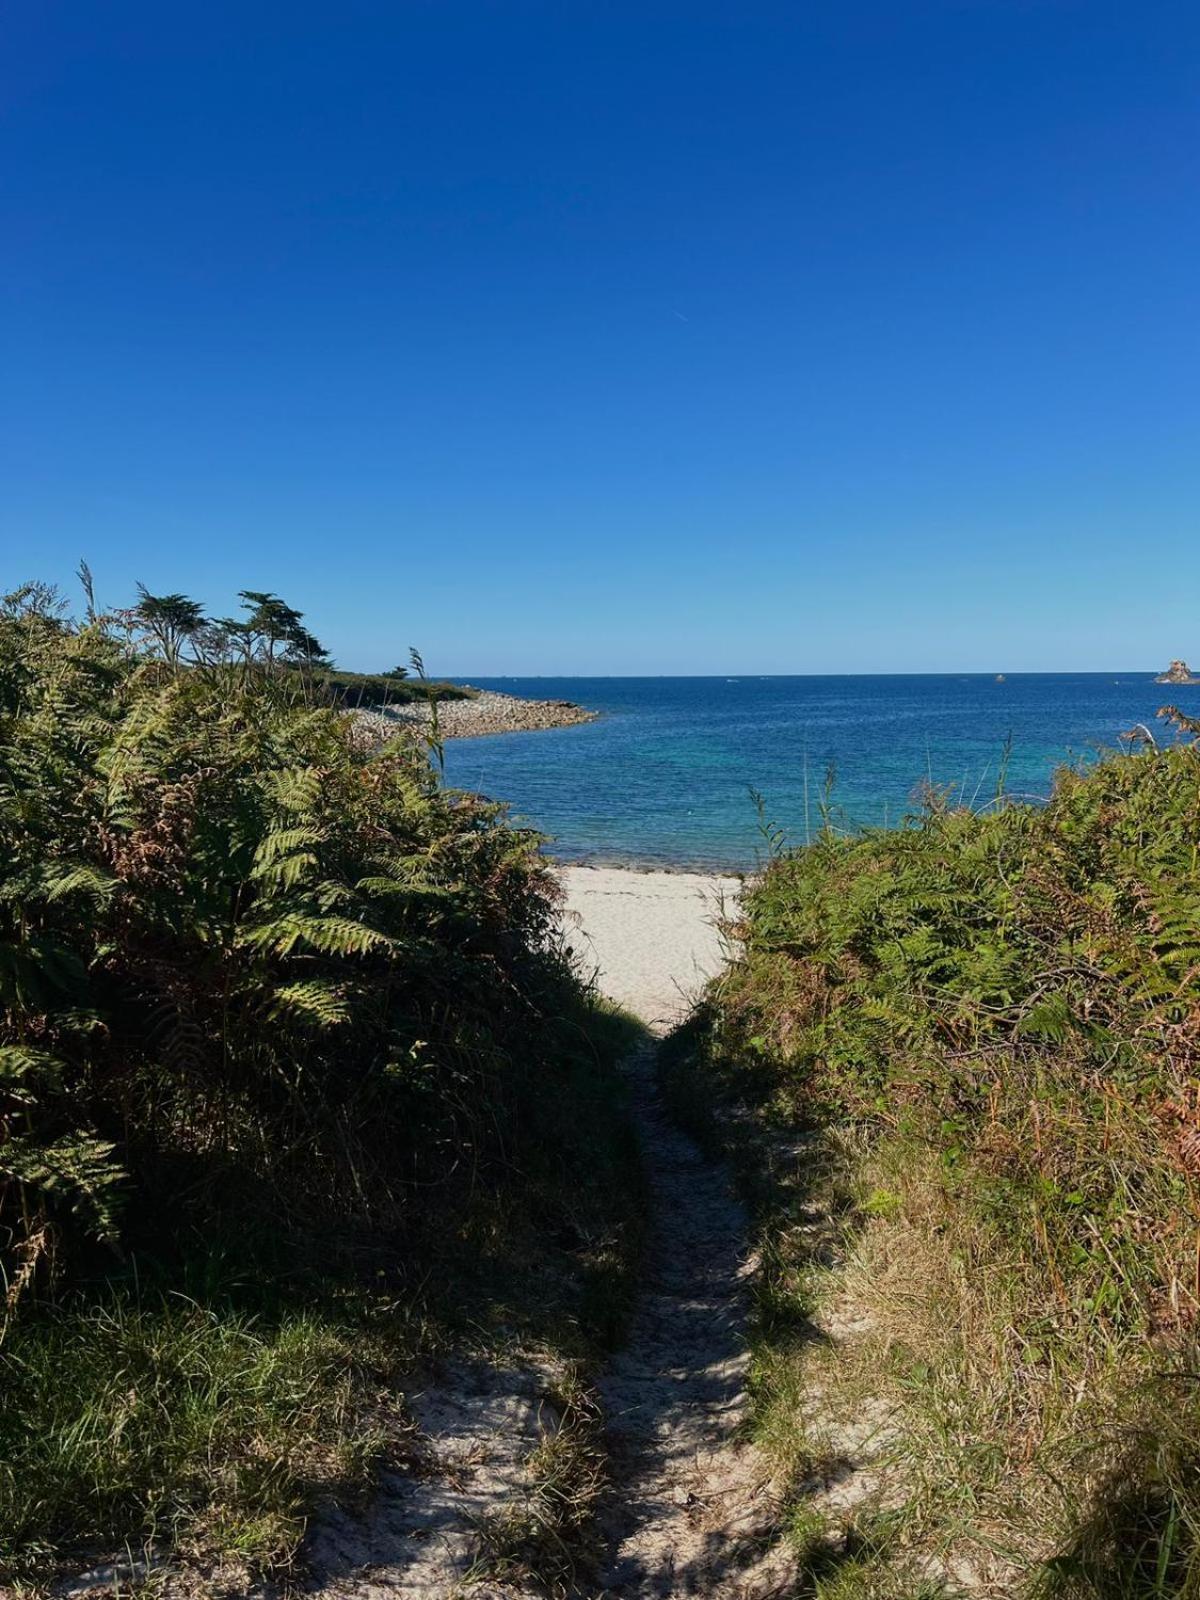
(665, 776)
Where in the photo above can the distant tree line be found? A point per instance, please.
(272, 631)
(272, 634)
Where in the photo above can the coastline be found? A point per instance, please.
(488, 711)
(620, 861)
(666, 777)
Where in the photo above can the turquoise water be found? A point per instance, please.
(664, 777)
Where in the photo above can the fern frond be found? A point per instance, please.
(296, 789)
(77, 1171)
(317, 1004)
(378, 888)
(22, 1071)
(332, 936)
(82, 879)
(286, 841)
(284, 871)
(1179, 719)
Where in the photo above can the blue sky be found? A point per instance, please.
(623, 337)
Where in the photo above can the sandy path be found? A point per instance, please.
(690, 1512)
(475, 1429)
(648, 935)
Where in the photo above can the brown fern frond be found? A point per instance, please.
(28, 1253)
(1180, 719)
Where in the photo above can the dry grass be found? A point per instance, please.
(946, 1424)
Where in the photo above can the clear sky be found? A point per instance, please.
(558, 336)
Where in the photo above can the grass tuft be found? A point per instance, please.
(172, 1424)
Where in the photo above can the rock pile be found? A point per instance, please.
(486, 712)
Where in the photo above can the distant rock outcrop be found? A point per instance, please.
(1177, 672)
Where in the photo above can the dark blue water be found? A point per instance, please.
(665, 776)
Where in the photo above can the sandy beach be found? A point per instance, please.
(650, 937)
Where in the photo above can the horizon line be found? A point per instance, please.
(727, 677)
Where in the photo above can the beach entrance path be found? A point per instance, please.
(650, 937)
(691, 1510)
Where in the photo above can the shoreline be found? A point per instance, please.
(486, 712)
(642, 868)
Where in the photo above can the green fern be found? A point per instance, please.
(76, 1172)
(331, 936)
(219, 919)
(313, 1004)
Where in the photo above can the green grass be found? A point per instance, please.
(171, 1423)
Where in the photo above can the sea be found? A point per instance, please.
(703, 772)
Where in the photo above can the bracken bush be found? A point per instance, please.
(277, 1007)
(237, 949)
(987, 1027)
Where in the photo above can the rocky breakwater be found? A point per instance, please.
(485, 712)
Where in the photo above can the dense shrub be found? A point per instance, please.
(288, 1051)
(237, 949)
(995, 1018)
(383, 688)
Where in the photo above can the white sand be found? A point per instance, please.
(649, 936)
